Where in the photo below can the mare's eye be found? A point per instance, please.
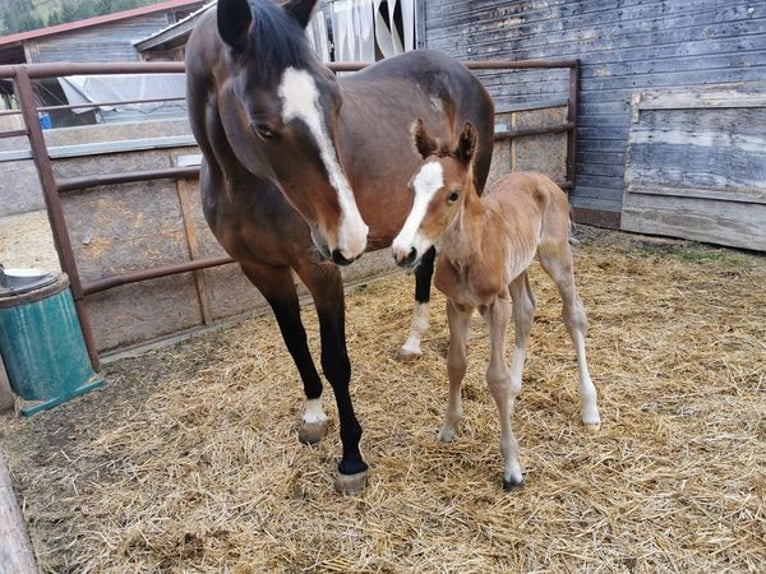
(263, 130)
(453, 197)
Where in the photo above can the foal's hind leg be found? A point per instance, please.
(326, 286)
(558, 263)
(278, 287)
(423, 274)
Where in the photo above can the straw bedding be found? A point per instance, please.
(188, 461)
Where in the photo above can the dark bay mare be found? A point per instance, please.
(301, 170)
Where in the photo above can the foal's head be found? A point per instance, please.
(441, 186)
(279, 106)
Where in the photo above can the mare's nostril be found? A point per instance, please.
(339, 259)
(411, 256)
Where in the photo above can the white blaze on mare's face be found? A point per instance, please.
(300, 100)
(426, 183)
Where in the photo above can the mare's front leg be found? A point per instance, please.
(503, 388)
(325, 284)
(423, 274)
(278, 287)
(459, 321)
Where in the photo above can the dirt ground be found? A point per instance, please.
(187, 460)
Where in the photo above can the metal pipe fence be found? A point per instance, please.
(53, 186)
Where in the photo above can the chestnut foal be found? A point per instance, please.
(486, 246)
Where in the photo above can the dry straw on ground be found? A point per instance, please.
(188, 461)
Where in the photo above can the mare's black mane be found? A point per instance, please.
(277, 41)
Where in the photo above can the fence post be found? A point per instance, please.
(42, 161)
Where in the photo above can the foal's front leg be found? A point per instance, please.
(503, 389)
(459, 323)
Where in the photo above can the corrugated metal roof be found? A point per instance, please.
(106, 18)
(174, 32)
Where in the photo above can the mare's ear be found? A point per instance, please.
(302, 10)
(425, 144)
(234, 20)
(466, 144)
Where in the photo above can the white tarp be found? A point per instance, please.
(359, 25)
(128, 87)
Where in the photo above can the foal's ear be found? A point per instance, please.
(425, 144)
(466, 145)
(234, 20)
(302, 10)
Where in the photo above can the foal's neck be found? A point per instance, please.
(462, 240)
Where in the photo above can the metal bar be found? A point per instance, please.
(26, 97)
(111, 281)
(101, 104)
(13, 134)
(56, 69)
(10, 113)
(86, 181)
(571, 161)
(566, 127)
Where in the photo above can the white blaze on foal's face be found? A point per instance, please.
(425, 185)
(300, 100)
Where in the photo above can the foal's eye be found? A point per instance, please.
(453, 197)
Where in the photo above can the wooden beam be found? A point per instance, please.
(15, 549)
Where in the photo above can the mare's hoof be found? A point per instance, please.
(512, 484)
(404, 356)
(351, 483)
(312, 433)
(592, 428)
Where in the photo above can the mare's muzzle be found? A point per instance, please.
(408, 260)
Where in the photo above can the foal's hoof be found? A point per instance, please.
(592, 428)
(312, 433)
(512, 484)
(351, 483)
(405, 356)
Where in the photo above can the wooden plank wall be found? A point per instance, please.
(624, 46)
(696, 165)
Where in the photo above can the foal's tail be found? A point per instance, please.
(572, 239)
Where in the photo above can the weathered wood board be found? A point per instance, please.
(696, 165)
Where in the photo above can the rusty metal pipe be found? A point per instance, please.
(101, 104)
(111, 281)
(535, 132)
(86, 181)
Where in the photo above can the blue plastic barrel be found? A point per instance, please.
(43, 348)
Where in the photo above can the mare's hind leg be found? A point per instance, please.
(558, 263)
(459, 324)
(423, 274)
(325, 284)
(278, 287)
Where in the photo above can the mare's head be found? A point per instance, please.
(279, 106)
(441, 186)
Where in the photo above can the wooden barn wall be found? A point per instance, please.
(111, 42)
(624, 46)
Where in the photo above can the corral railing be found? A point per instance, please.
(52, 186)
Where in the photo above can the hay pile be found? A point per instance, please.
(188, 461)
